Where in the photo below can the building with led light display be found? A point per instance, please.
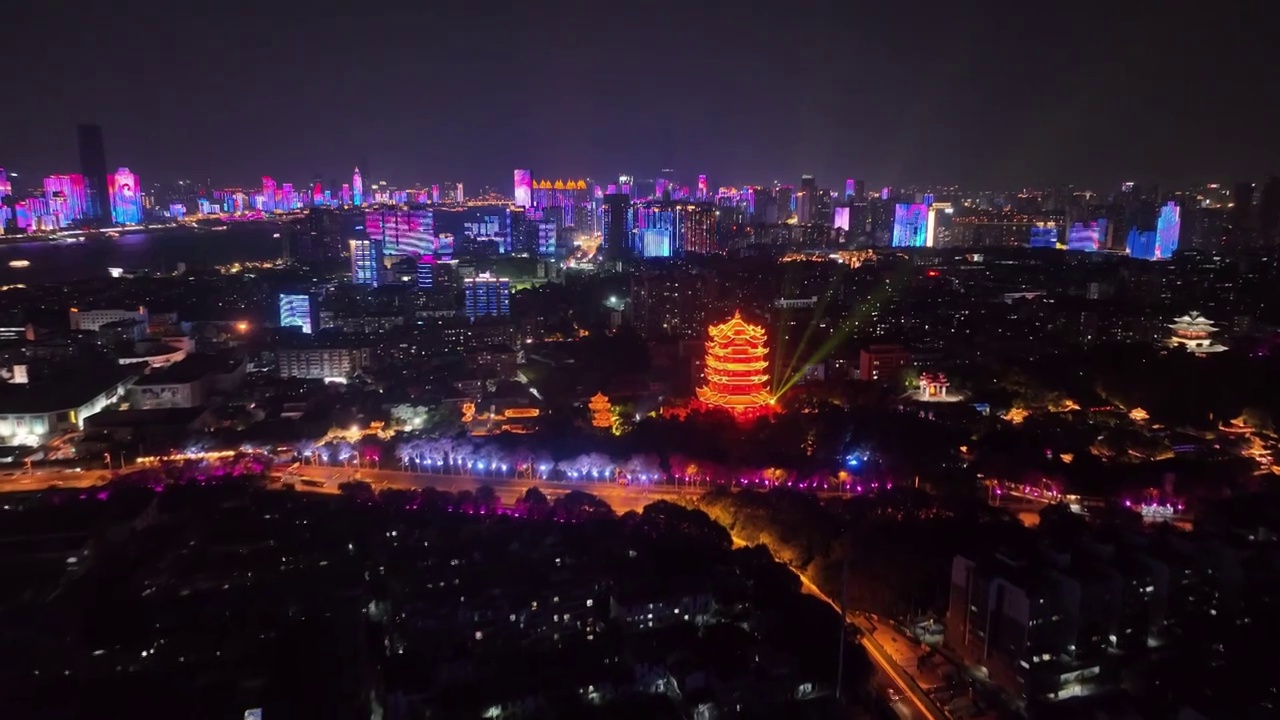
(486, 296)
(126, 200)
(1168, 227)
(735, 369)
(840, 218)
(268, 194)
(295, 311)
(426, 272)
(357, 188)
(177, 210)
(1142, 244)
(666, 229)
(571, 197)
(702, 188)
(1088, 237)
(409, 233)
(73, 193)
(911, 225)
(366, 261)
(523, 188)
(1044, 235)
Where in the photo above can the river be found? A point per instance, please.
(157, 250)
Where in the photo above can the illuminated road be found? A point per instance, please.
(38, 480)
(913, 702)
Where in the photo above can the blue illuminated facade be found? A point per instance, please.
(911, 225)
(1044, 236)
(1168, 227)
(1143, 244)
(366, 261)
(487, 296)
(1087, 237)
(426, 272)
(295, 311)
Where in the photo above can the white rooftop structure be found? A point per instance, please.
(1194, 333)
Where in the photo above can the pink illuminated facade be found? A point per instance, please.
(126, 199)
(346, 194)
(317, 194)
(523, 188)
(702, 187)
(268, 194)
(72, 191)
(407, 233)
(357, 188)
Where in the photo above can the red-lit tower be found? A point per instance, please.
(737, 358)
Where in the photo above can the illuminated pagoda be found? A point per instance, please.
(601, 411)
(735, 369)
(1194, 333)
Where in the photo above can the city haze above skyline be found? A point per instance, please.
(1010, 96)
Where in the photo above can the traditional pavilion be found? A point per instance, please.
(735, 369)
(1193, 332)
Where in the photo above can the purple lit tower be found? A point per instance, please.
(268, 194)
(524, 188)
(850, 188)
(317, 194)
(346, 194)
(6, 187)
(357, 188)
(702, 187)
(126, 201)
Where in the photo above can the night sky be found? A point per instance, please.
(1011, 94)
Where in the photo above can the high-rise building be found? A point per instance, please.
(268, 194)
(702, 188)
(668, 229)
(357, 188)
(93, 166)
(126, 200)
(73, 193)
(1087, 237)
(317, 194)
(523, 188)
(487, 296)
(911, 225)
(1168, 229)
(616, 219)
(1044, 235)
(366, 261)
(6, 187)
(295, 311)
(408, 233)
(850, 189)
(346, 194)
(426, 272)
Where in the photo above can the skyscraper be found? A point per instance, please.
(6, 187)
(366, 261)
(346, 194)
(357, 188)
(93, 166)
(487, 296)
(72, 189)
(295, 311)
(268, 194)
(523, 188)
(617, 226)
(911, 225)
(1168, 228)
(126, 200)
(702, 187)
(317, 194)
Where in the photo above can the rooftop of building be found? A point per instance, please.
(190, 369)
(65, 393)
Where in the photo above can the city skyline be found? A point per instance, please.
(978, 100)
